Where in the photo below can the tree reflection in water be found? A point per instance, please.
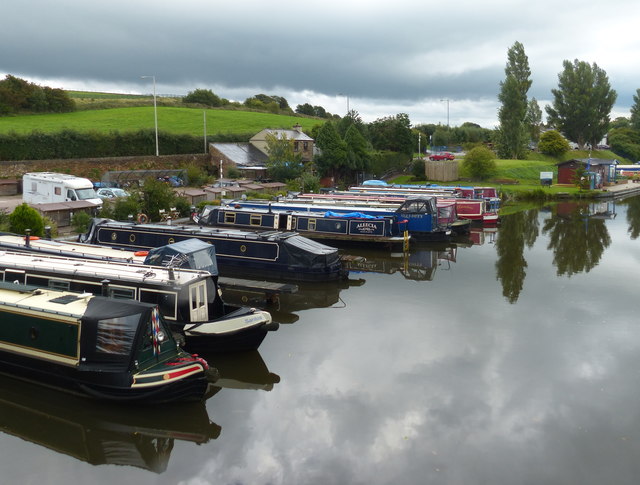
(633, 216)
(577, 240)
(516, 231)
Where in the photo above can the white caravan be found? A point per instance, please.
(48, 187)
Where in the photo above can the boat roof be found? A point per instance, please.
(113, 271)
(17, 243)
(31, 298)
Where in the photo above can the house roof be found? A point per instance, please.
(290, 134)
(242, 154)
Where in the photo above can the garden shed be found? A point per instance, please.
(601, 171)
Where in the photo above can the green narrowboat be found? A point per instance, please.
(96, 346)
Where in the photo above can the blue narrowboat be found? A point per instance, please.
(418, 214)
(353, 227)
(273, 255)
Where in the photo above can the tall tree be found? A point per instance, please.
(283, 162)
(582, 103)
(534, 120)
(513, 132)
(392, 133)
(635, 111)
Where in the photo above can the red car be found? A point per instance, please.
(442, 156)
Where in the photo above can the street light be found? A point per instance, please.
(347, 96)
(447, 100)
(155, 109)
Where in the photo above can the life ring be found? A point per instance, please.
(142, 218)
(141, 253)
(32, 238)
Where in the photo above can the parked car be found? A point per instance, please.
(442, 156)
(112, 193)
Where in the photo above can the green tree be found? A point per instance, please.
(203, 96)
(155, 196)
(392, 133)
(24, 217)
(513, 132)
(358, 153)
(534, 120)
(479, 162)
(635, 111)
(553, 143)
(333, 158)
(283, 163)
(582, 103)
(625, 142)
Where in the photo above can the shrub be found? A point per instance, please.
(553, 143)
(24, 217)
(480, 163)
(80, 222)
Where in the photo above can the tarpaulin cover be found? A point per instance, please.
(191, 253)
(352, 215)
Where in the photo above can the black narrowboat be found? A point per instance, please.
(270, 255)
(87, 344)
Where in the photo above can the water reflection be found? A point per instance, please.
(578, 237)
(633, 216)
(241, 370)
(516, 231)
(283, 307)
(101, 433)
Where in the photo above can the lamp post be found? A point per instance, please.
(347, 96)
(447, 100)
(155, 109)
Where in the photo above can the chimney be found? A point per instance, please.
(297, 128)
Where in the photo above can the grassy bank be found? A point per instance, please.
(177, 120)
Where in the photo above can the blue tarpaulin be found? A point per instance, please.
(352, 215)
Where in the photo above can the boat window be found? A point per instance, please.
(115, 335)
(166, 301)
(256, 220)
(124, 293)
(59, 285)
(230, 217)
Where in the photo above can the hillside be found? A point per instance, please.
(105, 112)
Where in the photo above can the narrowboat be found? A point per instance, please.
(418, 214)
(467, 209)
(340, 228)
(272, 255)
(188, 299)
(87, 344)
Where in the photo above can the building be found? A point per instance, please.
(601, 171)
(251, 158)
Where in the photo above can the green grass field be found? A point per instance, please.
(176, 120)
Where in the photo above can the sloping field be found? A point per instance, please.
(172, 120)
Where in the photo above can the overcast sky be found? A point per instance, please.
(436, 61)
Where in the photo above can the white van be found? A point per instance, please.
(48, 187)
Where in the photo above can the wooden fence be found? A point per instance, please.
(441, 171)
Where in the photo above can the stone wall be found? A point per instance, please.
(93, 168)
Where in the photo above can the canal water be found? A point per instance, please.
(511, 357)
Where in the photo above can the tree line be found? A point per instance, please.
(18, 96)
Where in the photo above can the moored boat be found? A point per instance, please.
(272, 255)
(188, 299)
(352, 228)
(85, 343)
(418, 214)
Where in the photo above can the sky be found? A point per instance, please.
(438, 62)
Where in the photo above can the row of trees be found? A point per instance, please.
(580, 110)
(20, 96)
(261, 102)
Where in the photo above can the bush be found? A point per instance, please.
(80, 222)
(480, 163)
(552, 143)
(418, 170)
(24, 217)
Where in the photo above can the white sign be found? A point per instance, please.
(546, 175)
